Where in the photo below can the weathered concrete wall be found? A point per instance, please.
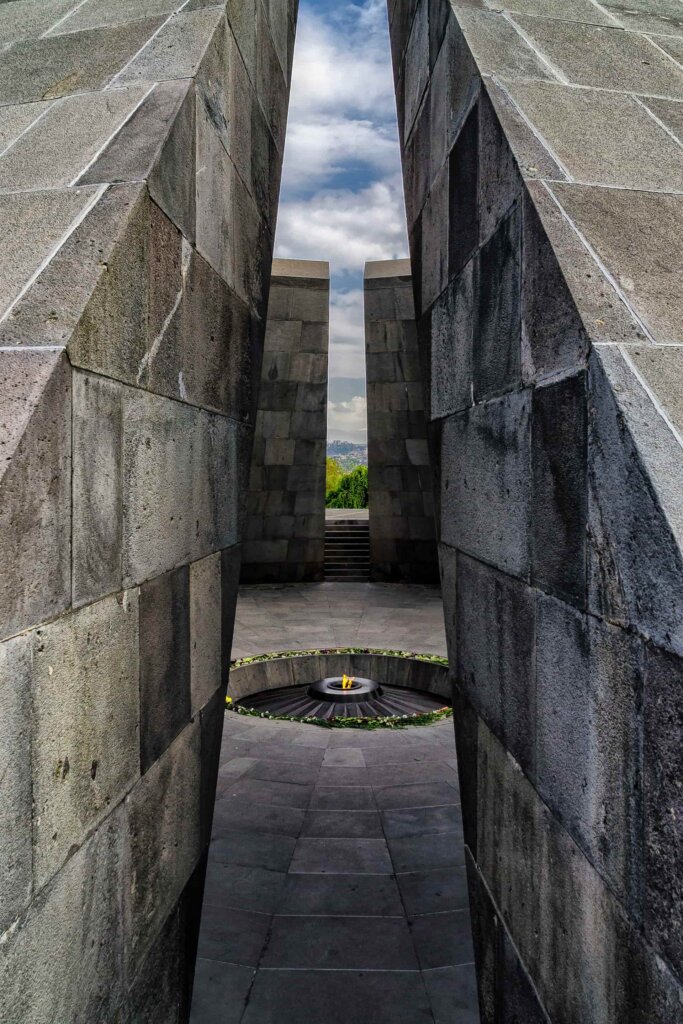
(401, 505)
(140, 152)
(543, 185)
(285, 530)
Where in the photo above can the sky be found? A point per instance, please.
(342, 194)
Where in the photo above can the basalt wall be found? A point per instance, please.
(543, 174)
(140, 153)
(285, 529)
(401, 506)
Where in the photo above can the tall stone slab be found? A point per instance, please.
(401, 505)
(541, 146)
(285, 530)
(140, 155)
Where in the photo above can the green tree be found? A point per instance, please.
(352, 491)
(334, 473)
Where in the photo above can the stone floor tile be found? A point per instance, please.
(343, 757)
(416, 795)
(232, 936)
(296, 774)
(343, 825)
(256, 849)
(429, 892)
(330, 856)
(342, 777)
(341, 895)
(453, 994)
(421, 821)
(340, 943)
(337, 997)
(241, 887)
(407, 774)
(240, 814)
(270, 794)
(343, 798)
(425, 853)
(443, 940)
(220, 992)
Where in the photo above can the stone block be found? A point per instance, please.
(463, 205)
(81, 976)
(97, 487)
(495, 659)
(205, 629)
(165, 662)
(15, 772)
(633, 492)
(85, 708)
(230, 572)
(587, 130)
(590, 55)
(176, 51)
(193, 463)
(454, 87)
(559, 467)
(500, 182)
(154, 993)
(270, 84)
(190, 359)
(498, 342)
(416, 67)
(531, 156)
(40, 160)
(497, 46)
(453, 318)
(486, 482)
(51, 215)
(30, 20)
(663, 843)
(434, 243)
(35, 486)
(163, 835)
(588, 698)
(212, 717)
(101, 13)
(111, 335)
(621, 222)
(55, 66)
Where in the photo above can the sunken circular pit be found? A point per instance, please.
(357, 686)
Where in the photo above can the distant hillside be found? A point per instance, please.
(348, 454)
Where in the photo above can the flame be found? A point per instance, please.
(347, 682)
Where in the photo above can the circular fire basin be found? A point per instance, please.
(332, 690)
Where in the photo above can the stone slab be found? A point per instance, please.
(15, 771)
(85, 708)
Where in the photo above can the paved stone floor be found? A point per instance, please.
(303, 615)
(336, 887)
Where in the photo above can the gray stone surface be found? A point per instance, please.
(52, 67)
(15, 809)
(35, 511)
(544, 159)
(84, 749)
(113, 328)
(165, 702)
(205, 629)
(40, 160)
(337, 918)
(285, 531)
(486, 511)
(97, 487)
(402, 530)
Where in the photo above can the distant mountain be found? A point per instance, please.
(348, 454)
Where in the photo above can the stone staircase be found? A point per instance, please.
(347, 550)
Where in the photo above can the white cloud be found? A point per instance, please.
(321, 147)
(347, 421)
(345, 227)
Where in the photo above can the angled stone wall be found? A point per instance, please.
(285, 530)
(401, 505)
(140, 152)
(542, 165)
